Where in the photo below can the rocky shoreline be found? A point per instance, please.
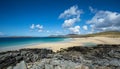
(102, 56)
(11, 58)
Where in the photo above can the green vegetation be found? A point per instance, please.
(113, 34)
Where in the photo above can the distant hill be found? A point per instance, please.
(113, 34)
(57, 36)
(107, 34)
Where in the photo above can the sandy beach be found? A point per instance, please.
(76, 42)
(69, 43)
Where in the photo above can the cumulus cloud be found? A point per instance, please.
(70, 22)
(71, 12)
(71, 16)
(75, 29)
(85, 27)
(38, 27)
(105, 21)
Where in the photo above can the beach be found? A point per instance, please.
(76, 53)
(77, 42)
(55, 46)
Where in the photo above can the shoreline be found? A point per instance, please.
(67, 43)
(10, 48)
(77, 42)
(102, 56)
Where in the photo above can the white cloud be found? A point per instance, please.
(85, 27)
(105, 21)
(75, 29)
(72, 11)
(71, 16)
(70, 22)
(32, 26)
(37, 27)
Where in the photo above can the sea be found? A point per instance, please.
(26, 41)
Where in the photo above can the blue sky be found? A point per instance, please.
(58, 17)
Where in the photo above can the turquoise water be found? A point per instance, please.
(9, 42)
(89, 44)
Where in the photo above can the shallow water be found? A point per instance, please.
(10, 42)
(89, 44)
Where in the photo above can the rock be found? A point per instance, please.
(103, 56)
(81, 67)
(48, 66)
(21, 65)
(28, 55)
(57, 67)
(10, 67)
(100, 67)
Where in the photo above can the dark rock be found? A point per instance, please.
(28, 55)
(102, 56)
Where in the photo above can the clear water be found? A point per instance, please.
(89, 44)
(7, 42)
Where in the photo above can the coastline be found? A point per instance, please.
(21, 46)
(77, 42)
(73, 55)
(67, 43)
(102, 56)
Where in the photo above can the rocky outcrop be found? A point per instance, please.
(11, 58)
(21, 65)
(97, 56)
(55, 63)
(77, 57)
